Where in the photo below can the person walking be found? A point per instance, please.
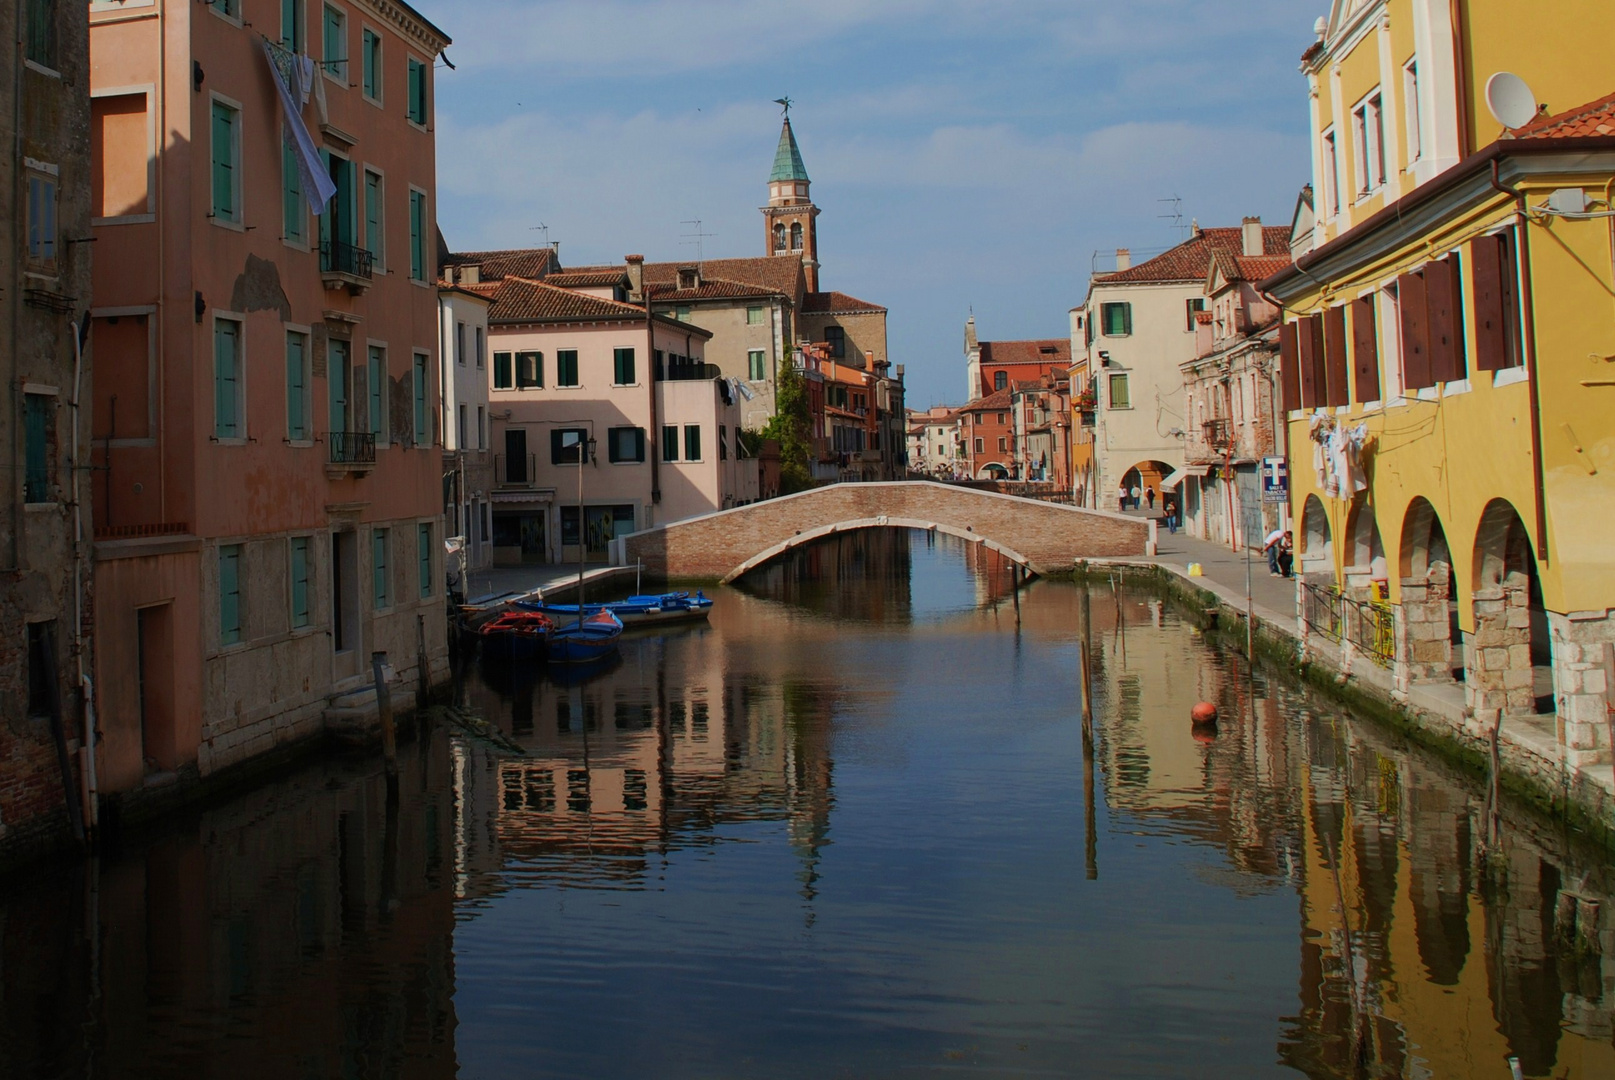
(1271, 546)
(1136, 494)
(1121, 497)
(1169, 510)
(1149, 495)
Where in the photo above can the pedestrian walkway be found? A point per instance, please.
(557, 581)
(1226, 567)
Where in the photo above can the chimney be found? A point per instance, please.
(470, 274)
(1251, 227)
(1124, 258)
(636, 277)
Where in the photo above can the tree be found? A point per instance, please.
(791, 426)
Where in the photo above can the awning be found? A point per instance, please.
(541, 496)
(1188, 470)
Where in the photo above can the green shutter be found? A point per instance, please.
(692, 442)
(294, 217)
(1127, 318)
(424, 548)
(378, 565)
(377, 369)
(501, 371)
(419, 387)
(372, 49)
(299, 570)
(226, 422)
(36, 421)
(224, 118)
(337, 371)
(291, 27)
(296, 387)
(372, 214)
(623, 363)
(335, 47)
(670, 443)
(417, 236)
(229, 594)
(417, 91)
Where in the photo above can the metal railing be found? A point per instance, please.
(351, 447)
(341, 257)
(689, 371)
(1218, 433)
(1369, 625)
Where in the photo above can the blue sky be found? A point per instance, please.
(963, 154)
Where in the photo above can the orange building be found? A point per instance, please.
(268, 474)
(987, 429)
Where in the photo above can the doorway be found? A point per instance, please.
(345, 624)
(154, 645)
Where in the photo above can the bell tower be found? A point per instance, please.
(789, 218)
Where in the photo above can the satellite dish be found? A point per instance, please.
(1510, 100)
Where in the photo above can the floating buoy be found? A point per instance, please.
(1204, 714)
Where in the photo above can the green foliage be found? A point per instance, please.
(791, 425)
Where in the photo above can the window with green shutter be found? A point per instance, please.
(423, 543)
(692, 442)
(338, 374)
(370, 61)
(291, 25)
(670, 443)
(418, 384)
(229, 594)
(36, 436)
(754, 315)
(757, 365)
(294, 215)
(373, 207)
(566, 367)
(298, 571)
(378, 566)
(566, 445)
(225, 121)
(39, 42)
(1117, 318)
(623, 367)
(335, 42)
(529, 370)
(296, 385)
(377, 371)
(417, 235)
(502, 376)
(625, 444)
(226, 379)
(417, 91)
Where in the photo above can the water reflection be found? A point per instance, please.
(843, 829)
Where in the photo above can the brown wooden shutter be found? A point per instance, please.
(1509, 289)
(1320, 372)
(1415, 331)
(1311, 395)
(1445, 301)
(1485, 258)
(1336, 363)
(1364, 350)
(1289, 368)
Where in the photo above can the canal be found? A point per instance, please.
(850, 828)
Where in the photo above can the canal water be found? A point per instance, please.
(850, 828)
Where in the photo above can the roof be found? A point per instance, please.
(1029, 352)
(530, 263)
(709, 289)
(837, 303)
(788, 158)
(517, 300)
(998, 399)
(1188, 261)
(1594, 118)
(780, 274)
(1250, 267)
(587, 279)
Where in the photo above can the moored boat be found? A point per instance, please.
(581, 642)
(515, 635)
(636, 611)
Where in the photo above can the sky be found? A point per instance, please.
(965, 155)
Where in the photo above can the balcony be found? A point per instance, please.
(518, 471)
(350, 452)
(1218, 434)
(689, 371)
(345, 266)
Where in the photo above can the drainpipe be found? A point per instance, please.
(1461, 75)
(1528, 315)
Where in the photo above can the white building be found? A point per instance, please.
(462, 317)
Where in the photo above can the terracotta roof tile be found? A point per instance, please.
(1188, 261)
(1592, 119)
(781, 274)
(1044, 351)
(532, 263)
(588, 278)
(710, 289)
(517, 300)
(837, 303)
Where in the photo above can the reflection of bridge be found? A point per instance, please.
(1042, 537)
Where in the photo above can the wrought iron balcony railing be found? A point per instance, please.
(351, 447)
(340, 257)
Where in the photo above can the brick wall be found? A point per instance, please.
(1050, 537)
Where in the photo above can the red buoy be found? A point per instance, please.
(1204, 714)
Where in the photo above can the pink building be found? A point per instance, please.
(268, 473)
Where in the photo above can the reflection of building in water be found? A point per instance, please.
(304, 929)
(861, 574)
(651, 756)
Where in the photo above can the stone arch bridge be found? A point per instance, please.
(1043, 537)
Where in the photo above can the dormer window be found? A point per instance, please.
(689, 278)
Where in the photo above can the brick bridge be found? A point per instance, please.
(1042, 537)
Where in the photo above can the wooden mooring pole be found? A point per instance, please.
(384, 706)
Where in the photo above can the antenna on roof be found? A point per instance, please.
(1176, 214)
(543, 228)
(695, 237)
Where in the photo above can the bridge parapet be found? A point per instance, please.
(1044, 537)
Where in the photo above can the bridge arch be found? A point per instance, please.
(882, 522)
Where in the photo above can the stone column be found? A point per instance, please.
(1423, 634)
(1582, 691)
(1497, 681)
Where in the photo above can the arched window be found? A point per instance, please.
(796, 236)
(1000, 380)
(779, 236)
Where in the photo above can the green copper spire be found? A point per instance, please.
(787, 159)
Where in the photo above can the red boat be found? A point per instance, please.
(515, 635)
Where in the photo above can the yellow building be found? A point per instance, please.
(1449, 350)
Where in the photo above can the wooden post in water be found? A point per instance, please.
(1085, 680)
(384, 706)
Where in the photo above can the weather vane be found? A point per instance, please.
(786, 103)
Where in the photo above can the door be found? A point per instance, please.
(155, 647)
(345, 626)
(515, 456)
(1249, 487)
(338, 370)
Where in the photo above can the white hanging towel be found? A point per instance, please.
(318, 187)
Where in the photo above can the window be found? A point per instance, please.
(1192, 307)
(120, 150)
(41, 219)
(482, 427)
(503, 377)
(779, 236)
(622, 367)
(294, 217)
(692, 442)
(423, 549)
(481, 350)
(796, 236)
(566, 445)
(373, 208)
(378, 566)
(670, 443)
(723, 442)
(1001, 420)
(229, 594)
(338, 384)
(1410, 105)
(377, 373)
(37, 416)
(1331, 175)
(625, 444)
(291, 25)
(417, 92)
(681, 312)
(335, 45)
(836, 338)
(459, 343)
(1368, 130)
(370, 61)
(298, 572)
(529, 370)
(41, 673)
(418, 385)
(39, 43)
(1497, 306)
(297, 404)
(417, 235)
(566, 367)
(1120, 398)
(981, 446)
(1000, 380)
(227, 420)
(1117, 318)
(226, 150)
(338, 224)
(459, 428)
(754, 315)
(1003, 444)
(755, 365)
(229, 8)
(516, 459)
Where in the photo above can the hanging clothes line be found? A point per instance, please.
(318, 187)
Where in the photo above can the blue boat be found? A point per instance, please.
(647, 610)
(585, 641)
